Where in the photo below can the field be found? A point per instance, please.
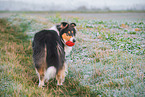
(108, 58)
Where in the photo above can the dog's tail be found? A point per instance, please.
(54, 51)
(47, 50)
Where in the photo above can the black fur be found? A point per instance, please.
(48, 51)
(61, 31)
(51, 40)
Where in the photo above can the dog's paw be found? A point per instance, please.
(59, 84)
(41, 85)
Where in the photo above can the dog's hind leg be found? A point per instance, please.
(40, 74)
(60, 77)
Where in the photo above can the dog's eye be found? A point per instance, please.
(68, 32)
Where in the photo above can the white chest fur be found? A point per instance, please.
(67, 50)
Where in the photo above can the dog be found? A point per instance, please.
(57, 28)
(49, 51)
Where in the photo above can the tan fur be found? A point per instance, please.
(60, 77)
(41, 71)
(66, 37)
(44, 64)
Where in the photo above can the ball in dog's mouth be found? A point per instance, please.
(69, 43)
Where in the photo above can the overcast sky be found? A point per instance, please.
(73, 4)
(89, 2)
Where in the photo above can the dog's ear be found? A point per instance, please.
(64, 25)
(73, 24)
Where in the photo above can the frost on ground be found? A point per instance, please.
(108, 56)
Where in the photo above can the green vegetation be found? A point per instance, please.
(107, 60)
(18, 77)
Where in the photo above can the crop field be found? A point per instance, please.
(108, 59)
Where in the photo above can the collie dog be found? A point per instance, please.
(49, 50)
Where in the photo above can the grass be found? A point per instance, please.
(107, 60)
(18, 77)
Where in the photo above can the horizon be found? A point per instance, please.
(70, 5)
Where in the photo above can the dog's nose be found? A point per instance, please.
(74, 40)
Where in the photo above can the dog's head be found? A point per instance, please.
(67, 33)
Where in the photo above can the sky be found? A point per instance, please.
(89, 2)
(73, 4)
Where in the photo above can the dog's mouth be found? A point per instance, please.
(69, 43)
(69, 40)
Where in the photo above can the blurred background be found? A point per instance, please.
(71, 5)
